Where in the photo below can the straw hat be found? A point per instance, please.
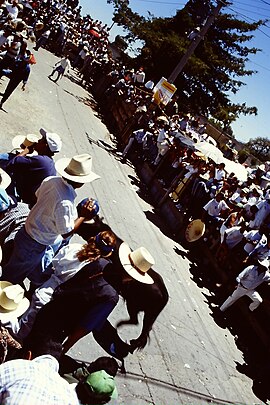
(5, 179)
(27, 140)
(136, 263)
(77, 169)
(195, 230)
(12, 301)
(162, 118)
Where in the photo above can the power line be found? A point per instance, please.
(253, 12)
(163, 2)
(264, 67)
(251, 5)
(248, 18)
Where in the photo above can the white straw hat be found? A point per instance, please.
(77, 169)
(5, 179)
(136, 263)
(12, 301)
(27, 140)
(195, 230)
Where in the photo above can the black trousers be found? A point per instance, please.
(12, 85)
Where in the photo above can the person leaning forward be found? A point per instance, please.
(52, 219)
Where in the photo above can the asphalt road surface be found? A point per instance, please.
(189, 359)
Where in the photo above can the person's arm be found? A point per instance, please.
(242, 275)
(86, 212)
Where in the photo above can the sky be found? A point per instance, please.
(256, 91)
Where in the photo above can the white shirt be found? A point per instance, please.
(253, 237)
(214, 208)
(139, 77)
(250, 278)
(34, 382)
(3, 39)
(65, 63)
(12, 10)
(233, 236)
(219, 174)
(66, 265)
(54, 213)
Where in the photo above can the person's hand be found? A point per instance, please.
(88, 209)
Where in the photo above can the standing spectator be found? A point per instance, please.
(248, 280)
(43, 39)
(139, 77)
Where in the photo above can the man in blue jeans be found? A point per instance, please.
(52, 219)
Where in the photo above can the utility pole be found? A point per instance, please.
(195, 42)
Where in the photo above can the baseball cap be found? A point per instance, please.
(53, 140)
(4, 200)
(101, 382)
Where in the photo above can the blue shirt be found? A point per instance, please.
(28, 172)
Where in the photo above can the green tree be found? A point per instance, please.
(260, 148)
(215, 70)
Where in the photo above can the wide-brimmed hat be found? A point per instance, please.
(77, 169)
(26, 141)
(264, 263)
(12, 301)
(164, 119)
(5, 179)
(53, 140)
(195, 230)
(136, 263)
(101, 382)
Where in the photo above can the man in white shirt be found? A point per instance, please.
(248, 280)
(52, 219)
(215, 206)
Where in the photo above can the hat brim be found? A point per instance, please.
(6, 179)
(124, 251)
(6, 316)
(195, 230)
(62, 164)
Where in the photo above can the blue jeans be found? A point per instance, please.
(29, 259)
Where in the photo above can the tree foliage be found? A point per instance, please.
(215, 70)
(260, 148)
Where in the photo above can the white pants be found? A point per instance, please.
(240, 292)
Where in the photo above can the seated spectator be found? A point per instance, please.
(35, 380)
(28, 172)
(12, 218)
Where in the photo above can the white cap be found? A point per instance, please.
(53, 140)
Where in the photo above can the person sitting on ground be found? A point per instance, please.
(52, 220)
(28, 172)
(12, 218)
(94, 297)
(35, 379)
(95, 382)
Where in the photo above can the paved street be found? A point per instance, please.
(189, 359)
